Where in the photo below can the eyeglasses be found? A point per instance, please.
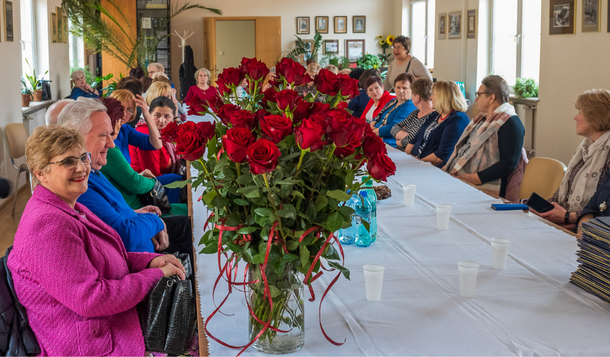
(130, 111)
(398, 47)
(477, 94)
(71, 162)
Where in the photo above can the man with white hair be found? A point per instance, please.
(50, 117)
(141, 230)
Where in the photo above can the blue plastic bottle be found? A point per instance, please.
(347, 235)
(372, 196)
(363, 213)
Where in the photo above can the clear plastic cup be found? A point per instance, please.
(373, 281)
(443, 212)
(409, 194)
(499, 251)
(468, 277)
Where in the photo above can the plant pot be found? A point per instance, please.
(25, 100)
(37, 94)
(288, 312)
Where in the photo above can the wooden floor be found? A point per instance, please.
(8, 224)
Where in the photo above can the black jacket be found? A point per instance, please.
(16, 336)
(187, 72)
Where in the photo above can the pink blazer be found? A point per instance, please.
(78, 284)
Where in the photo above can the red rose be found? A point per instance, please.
(380, 166)
(214, 103)
(347, 86)
(286, 99)
(205, 130)
(339, 126)
(269, 96)
(241, 119)
(341, 105)
(262, 156)
(318, 119)
(319, 108)
(170, 132)
(253, 69)
(348, 149)
(326, 82)
(292, 72)
(188, 127)
(235, 142)
(223, 112)
(276, 127)
(373, 145)
(230, 77)
(301, 111)
(190, 146)
(309, 135)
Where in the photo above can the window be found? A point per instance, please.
(28, 37)
(422, 30)
(77, 50)
(516, 39)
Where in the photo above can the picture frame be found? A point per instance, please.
(340, 24)
(65, 30)
(608, 16)
(562, 15)
(471, 27)
(354, 49)
(303, 25)
(9, 26)
(331, 46)
(303, 56)
(442, 26)
(60, 25)
(454, 23)
(53, 31)
(322, 24)
(359, 24)
(591, 19)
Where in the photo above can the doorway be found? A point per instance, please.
(234, 40)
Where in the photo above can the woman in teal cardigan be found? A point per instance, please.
(396, 110)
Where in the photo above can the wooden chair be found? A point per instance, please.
(15, 137)
(542, 175)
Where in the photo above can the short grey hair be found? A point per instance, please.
(76, 74)
(206, 72)
(78, 114)
(497, 86)
(159, 75)
(50, 117)
(156, 65)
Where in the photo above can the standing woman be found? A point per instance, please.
(379, 98)
(404, 63)
(421, 95)
(437, 137)
(199, 94)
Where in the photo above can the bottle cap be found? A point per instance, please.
(363, 194)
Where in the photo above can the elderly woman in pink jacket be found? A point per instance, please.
(71, 271)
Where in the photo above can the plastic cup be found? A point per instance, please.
(443, 212)
(499, 251)
(373, 281)
(468, 277)
(409, 194)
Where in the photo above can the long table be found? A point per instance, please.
(530, 308)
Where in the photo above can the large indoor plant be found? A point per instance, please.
(276, 175)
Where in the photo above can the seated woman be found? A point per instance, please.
(358, 104)
(81, 87)
(598, 205)
(198, 95)
(490, 148)
(379, 98)
(589, 164)
(160, 89)
(421, 95)
(128, 136)
(164, 163)
(84, 305)
(435, 140)
(396, 110)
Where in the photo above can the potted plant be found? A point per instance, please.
(340, 61)
(35, 83)
(369, 61)
(26, 95)
(305, 48)
(525, 88)
(385, 43)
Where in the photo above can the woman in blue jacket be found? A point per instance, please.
(437, 137)
(396, 110)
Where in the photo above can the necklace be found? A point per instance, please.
(442, 118)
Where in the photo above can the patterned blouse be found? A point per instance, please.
(411, 125)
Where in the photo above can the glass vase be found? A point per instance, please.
(286, 287)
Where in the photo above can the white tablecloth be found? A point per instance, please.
(528, 309)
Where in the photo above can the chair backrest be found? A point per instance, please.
(542, 175)
(15, 136)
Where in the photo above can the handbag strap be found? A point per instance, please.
(409, 65)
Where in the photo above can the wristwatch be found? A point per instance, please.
(566, 218)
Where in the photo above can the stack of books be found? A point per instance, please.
(593, 273)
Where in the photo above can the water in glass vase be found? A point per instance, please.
(287, 315)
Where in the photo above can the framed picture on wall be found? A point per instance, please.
(472, 24)
(65, 29)
(53, 27)
(455, 25)
(354, 49)
(359, 23)
(442, 26)
(340, 24)
(591, 19)
(9, 34)
(309, 45)
(608, 16)
(303, 25)
(331, 46)
(60, 25)
(322, 24)
(562, 17)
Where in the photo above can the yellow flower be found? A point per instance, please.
(390, 39)
(382, 42)
(379, 37)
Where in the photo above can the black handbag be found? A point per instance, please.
(157, 197)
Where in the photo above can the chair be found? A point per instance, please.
(542, 175)
(15, 137)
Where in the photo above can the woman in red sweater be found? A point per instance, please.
(379, 98)
(198, 95)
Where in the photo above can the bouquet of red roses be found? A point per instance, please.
(276, 175)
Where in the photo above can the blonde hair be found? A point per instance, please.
(595, 107)
(332, 68)
(125, 97)
(448, 97)
(345, 71)
(206, 72)
(161, 77)
(157, 89)
(45, 143)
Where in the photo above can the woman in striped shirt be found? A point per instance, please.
(421, 96)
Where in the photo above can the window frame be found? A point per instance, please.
(33, 39)
(428, 11)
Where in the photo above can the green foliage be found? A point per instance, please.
(526, 88)
(339, 61)
(33, 80)
(25, 89)
(306, 48)
(369, 61)
(111, 87)
(88, 76)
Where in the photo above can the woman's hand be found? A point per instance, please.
(171, 270)
(140, 103)
(556, 215)
(372, 124)
(149, 209)
(165, 259)
(161, 240)
(376, 131)
(472, 178)
(146, 173)
(88, 88)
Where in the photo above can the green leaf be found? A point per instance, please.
(258, 259)
(220, 202)
(275, 292)
(197, 164)
(347, 212)
(178, 184)
(210, 248)
(278, 267)
(366, 225)
(209, 197)
(224, 161)
(245, 179)
(285, 213)
(278, 176)
(338, 195)
(246, 230)
(289, 181)
(338, 266)
(349, 177)
(239, 201)
(247, 254)
(320, 203)
(263, 211)
(331, 253)
(304, 255)
(292, 245)
(250, 191)
(298, 194)
(334, 222)
(290, 257)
